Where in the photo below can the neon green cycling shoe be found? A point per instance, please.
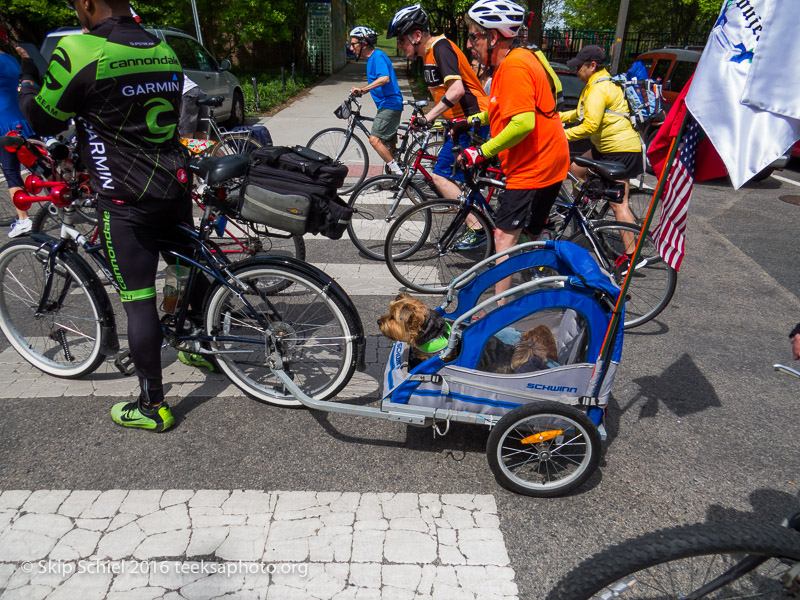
(195, 360)
(131, 414)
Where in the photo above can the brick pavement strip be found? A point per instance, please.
(183, 544)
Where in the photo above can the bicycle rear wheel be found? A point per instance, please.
(422, 246)
(639, 203)
(308, 327)
(676, 563)
(236, 143)
(354, 154)
(426, 185)
(69, 336)
(653, 281)
(243, 240)
(378, 202)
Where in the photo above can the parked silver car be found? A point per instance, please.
(213, 77)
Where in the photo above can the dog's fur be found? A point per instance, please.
(411, 321)
(535, 343)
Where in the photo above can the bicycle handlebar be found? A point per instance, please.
(354, 98)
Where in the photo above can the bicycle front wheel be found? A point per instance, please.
(678, 562)
(428, 245)
(333, 142)
(310, 329)
(67, 338)
(653, 280)
(378, 202)
(84, 219)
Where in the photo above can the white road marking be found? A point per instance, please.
(786, 180)
(248, 543)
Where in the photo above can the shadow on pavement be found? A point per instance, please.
(681, 388)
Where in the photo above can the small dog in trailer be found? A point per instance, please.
(411, 321)
(536, 350)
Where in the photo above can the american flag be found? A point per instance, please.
(670, 233)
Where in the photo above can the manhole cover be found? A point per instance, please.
(790, 200)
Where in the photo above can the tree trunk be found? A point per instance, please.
(535, 30)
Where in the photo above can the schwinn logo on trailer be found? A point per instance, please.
(553, 388)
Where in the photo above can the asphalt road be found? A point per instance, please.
(700, 427)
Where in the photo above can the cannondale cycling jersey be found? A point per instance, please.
(123, 87)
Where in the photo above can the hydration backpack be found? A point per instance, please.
(552, 78)
(643, 97)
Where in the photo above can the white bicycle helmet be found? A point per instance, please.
(408, 18)
(502, 15)
(365, 33)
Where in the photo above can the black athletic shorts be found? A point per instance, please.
(520, 209)
(631, 160)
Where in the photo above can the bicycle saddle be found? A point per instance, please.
(215, 101)
(220, 168)
(417, 104)
(607, 169)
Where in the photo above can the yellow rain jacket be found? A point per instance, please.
(598, 102)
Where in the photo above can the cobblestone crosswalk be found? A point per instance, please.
(184, 544)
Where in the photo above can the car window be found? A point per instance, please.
(182, 51)
(659, 72)
(571, 85)
(205, 62)
(680, 75)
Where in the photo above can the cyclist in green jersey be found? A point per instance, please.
(122, 86)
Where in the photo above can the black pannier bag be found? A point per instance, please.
(294, 190)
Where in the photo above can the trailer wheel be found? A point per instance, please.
(543, 449)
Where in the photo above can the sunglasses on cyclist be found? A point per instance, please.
(474, 35)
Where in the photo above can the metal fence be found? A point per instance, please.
(559, 45)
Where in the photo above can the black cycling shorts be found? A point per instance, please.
(631, 160)
(520, 209)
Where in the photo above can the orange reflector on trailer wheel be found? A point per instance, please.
(542, 436)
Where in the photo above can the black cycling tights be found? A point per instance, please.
(130, 234)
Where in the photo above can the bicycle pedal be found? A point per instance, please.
(124, 362)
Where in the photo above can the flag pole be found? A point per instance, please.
(616, 321)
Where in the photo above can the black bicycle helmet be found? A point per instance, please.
(406, 19)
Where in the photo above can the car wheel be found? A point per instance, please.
(761, 176)
(237, 110)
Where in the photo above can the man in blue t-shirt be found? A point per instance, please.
(382, 85)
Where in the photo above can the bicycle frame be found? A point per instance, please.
(472, 199)
(211, 265)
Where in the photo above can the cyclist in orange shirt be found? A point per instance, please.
(526, 129)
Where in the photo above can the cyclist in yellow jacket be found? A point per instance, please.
(602, 117)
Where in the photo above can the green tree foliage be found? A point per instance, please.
(30, 20)
(685, 19)
(447, 16)
(227, 25)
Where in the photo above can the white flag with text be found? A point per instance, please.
(736, 95)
